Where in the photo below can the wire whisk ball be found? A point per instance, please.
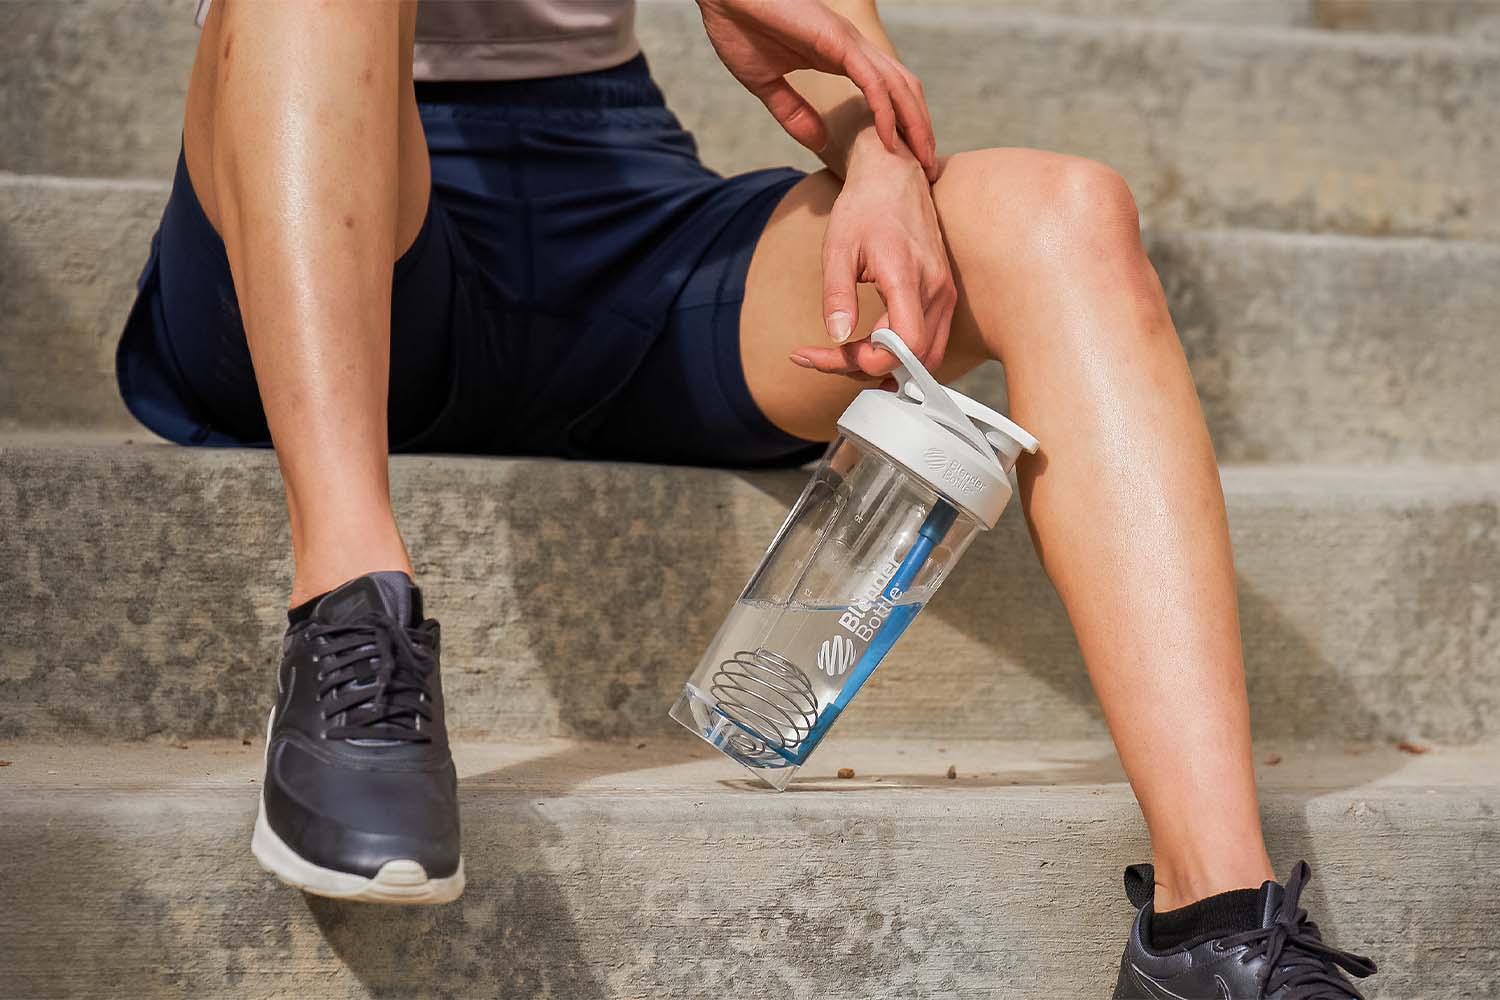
(766, 694)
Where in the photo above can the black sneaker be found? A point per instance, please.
(360, 799)
(1282, 959)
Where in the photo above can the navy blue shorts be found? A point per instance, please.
(574, 291)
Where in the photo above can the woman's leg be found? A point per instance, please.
(1124, 502)
(304, 147)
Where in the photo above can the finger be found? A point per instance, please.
(938, 167)
(867, 358)
(865, 75)
(829, 360)
(903, 300)
(916, 120)
(942, 330)
(840, 291)
(872, 360)
(938, 312)
(920, 92)
(800, 120)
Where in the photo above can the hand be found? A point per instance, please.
(884, 230)
(761, 41)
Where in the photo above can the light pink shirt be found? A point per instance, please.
(517, 39)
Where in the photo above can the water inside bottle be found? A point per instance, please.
(768, 688)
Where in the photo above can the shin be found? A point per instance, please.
(303, 145)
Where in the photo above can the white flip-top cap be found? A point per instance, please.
(959, 447)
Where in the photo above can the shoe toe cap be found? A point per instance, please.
(356, 820)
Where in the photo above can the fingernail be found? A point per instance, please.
(839, 326)
(798, 359)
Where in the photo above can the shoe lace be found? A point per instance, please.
(375, 674)
(1297, 959)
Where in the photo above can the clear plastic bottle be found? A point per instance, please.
(893, 504)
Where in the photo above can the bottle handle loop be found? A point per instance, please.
(916, 383)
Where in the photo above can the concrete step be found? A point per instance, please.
(148, 583)
(1213, 124)
(613, 871)
(1332, 348)
(1462, 18)
(70, 253)
(1305, 348)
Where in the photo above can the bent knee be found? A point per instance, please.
(1089, 202)
(1025, 226)
(1049, 205)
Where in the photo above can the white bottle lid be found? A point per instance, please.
(961, 448)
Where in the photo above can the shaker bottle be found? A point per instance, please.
(912, 477)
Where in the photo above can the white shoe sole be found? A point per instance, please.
(400, 881)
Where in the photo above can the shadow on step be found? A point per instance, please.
(513, 933)
(516, 939)
(1054, 771)
(1296, 692)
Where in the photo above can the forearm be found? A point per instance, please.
(842, 106)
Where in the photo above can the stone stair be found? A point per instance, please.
(1305, 347)
(621, 870)
(1258, 126)
(576, 596)
(1318, 185)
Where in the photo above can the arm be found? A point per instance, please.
(883, 228)
(865, 115)
(762, 41)
(839, 102)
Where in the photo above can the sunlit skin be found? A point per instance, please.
(304, 146)
(1124, 501)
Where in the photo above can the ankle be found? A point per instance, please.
(318, 573)
(1179, 884)
(305, 588)
(329, 551)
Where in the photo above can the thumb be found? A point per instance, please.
(800, 120)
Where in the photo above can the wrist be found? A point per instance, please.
(868, 153)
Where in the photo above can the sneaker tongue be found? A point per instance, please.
(390, 591)
(1271, 895)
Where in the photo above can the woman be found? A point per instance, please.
(519, 253)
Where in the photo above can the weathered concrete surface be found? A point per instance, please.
(147, 585)
(1467, 18)
(70, 254)
(609, 872)
(1212, 124)
(1336, 349)
(676, 761)
(1303, 347)
(94, 88)
(1471, 18)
